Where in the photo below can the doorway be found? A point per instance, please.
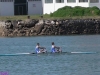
(20, 7)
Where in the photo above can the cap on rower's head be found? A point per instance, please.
(38, 44)
(52, 43)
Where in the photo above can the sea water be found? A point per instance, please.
(51, 64)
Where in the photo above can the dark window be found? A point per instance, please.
(83, 0)
(94, 1)
(59, 1)
(48, 1)
(20, 1)
(71, 1)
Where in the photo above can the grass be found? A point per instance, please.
(19, 17)
(23, 17)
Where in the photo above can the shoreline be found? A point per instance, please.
(40, 27)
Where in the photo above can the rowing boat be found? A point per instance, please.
(16, 54)
(83, 52)
(20, 54)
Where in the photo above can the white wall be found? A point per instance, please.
(86, 4)
(35, 8)
(58, 5)
(51, 7)
(71, 4)
(6, 8)
(48, 8)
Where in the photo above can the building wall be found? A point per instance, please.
(86, 4)
(72, 4)
(58, 5)
(51, 7)
(35, 8)
(6, 8)
(95, 4)
(48, 8)
(38, 7)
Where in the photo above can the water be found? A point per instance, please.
(52, 64)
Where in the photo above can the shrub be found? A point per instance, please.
(76, 11)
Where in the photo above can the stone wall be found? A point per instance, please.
(33, 27)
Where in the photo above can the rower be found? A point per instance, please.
(40, 49)
(55, 49)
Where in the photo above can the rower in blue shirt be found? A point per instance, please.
(55, 49)
(39, 49)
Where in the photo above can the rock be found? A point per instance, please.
(33, 27)
(8, 24)
(38, 28)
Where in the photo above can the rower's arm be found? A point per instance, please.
(42, 47)
(57, 47)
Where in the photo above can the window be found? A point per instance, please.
(71, 1)
(83, 0)
(34, 0)
(59, 1)
(48, 1)
(94, 1)
(6, 0)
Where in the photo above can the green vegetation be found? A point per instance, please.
(76, 11)
(66, 12)
(23, 17)
(18, 17)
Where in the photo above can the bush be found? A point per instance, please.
(76, 11)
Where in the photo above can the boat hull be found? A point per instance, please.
(20, 54)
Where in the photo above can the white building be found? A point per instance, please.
(52, 5)
(38, 7)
